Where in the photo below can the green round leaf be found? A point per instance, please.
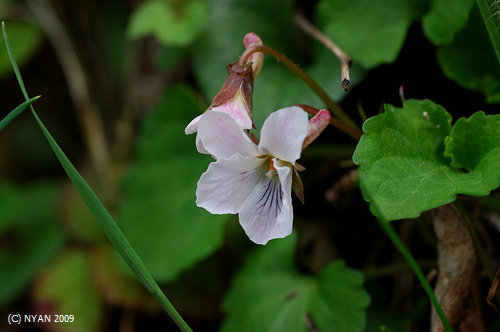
(445, 19)
(402, 170)
(269, 294)
(173, 22)
(158, 213)
(474, 144)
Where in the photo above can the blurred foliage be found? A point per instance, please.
(173, 22)
(379, 33)
(114, 286)
(275, 87)
(65, 287)
(26, 38)
(76, 218)
(151, 67)
(470, 60)
(29, 234)
(269, 294)
(442, 21)
(159, 189)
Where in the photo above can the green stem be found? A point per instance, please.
(334, 107)
(416, 269)
(394, 269)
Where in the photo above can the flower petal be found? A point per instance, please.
(192, 127)
(199, 146)
(267, 213)
(317, 124)
(238, 111)
(227, 183)
(283, 133)
(285, 175)
(222, 137)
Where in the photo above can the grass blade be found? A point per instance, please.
(490, 11)
(18, 110)
(386, 226)
(112, 231)
(396, 241)
(109, 226)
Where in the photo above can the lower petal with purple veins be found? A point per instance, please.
(227, 183)
(263, 215)
(284, 170)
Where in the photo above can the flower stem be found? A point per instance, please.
(292, 66)
(345, 60)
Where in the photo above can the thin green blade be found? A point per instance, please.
(490, 11)
(18, 110)
(111, 229)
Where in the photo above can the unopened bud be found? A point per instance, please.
(235, 96)
(316, 126)
(257, 59)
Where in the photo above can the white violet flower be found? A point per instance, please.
(252, 180)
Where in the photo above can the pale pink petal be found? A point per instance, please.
(317, 124)
(222, 137)
(199, 146)
(192, 127)
(238, 111)
(227, 183)
(267, 213)
(283, 133)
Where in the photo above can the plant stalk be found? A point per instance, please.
(337, 123)
(293, 67)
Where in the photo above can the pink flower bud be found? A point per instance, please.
(257, 59)
(316, 125)
(235, 96)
